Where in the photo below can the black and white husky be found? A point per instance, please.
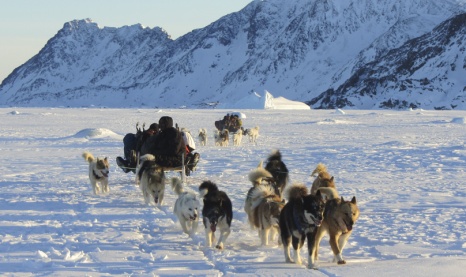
(98, 172)
(217, 212)
(299, 220)
(186, 208)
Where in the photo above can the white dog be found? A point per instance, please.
(238, 137)
(186, 208)
(203, 136)
(253, 134)
(98, 172)
(151, 180)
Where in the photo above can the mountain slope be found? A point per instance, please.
(295, 49)
(426, 72)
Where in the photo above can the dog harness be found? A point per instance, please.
(303, 227)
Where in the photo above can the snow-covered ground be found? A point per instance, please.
(406, 169)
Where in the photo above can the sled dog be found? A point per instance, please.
(238, 137)
(98, 172)
(217, 212)
(278, 169)
(151, 180)
(266, 207)
(323, 179)
(223, 138)
(339, 218)
(299, 220)
(186, 208)
(202, 136)
(253, 133)
(258, 176)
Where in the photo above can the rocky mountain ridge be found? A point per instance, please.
(300, 49)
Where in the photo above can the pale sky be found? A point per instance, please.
(27, 25)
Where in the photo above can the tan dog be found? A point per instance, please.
(257, 176)
(98, 172)
(323, 179)
(265, 209)
(253, 134)
(202, 136)
(238, 137)
(339, 218)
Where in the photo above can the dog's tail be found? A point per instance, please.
(177, 186)
(320, 168)
(330, 193)
(275, 156)
(207, 187)
(258, 174)
(297, 191)
(88, 157)
(143, 165)
(259, 193)
(147, 157)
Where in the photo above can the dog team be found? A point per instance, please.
(307, 214)
(222, 138)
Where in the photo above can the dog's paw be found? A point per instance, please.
(290, 261)
(312, 266)
(341, 262)
(219, 247)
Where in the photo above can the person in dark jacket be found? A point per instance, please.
(167, 146)
(132, 143)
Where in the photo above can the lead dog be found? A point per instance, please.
(299, 220)
(186, 208)
(323, 179)
(339, 218)
(98, 172)
(217, 212)
(151, 180)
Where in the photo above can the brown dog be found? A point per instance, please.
(339, 218)
(323, 179)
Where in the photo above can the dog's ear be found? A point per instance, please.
(331, 179)
(342, 200)
(353, 201)
(322, 196)
(105, 159)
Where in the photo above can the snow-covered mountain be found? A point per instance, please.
(296, 49)
(427, 72)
